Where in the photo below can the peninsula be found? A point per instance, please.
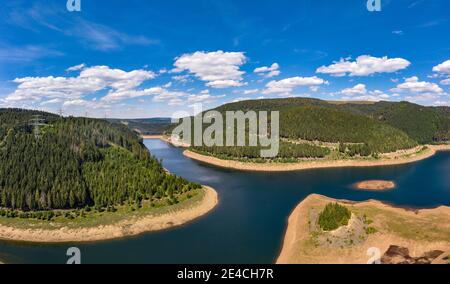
(398, 235)
(86, 180)
(124, 222)
(273, 166)
(320, 134)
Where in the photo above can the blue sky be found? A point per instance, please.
(153, 58)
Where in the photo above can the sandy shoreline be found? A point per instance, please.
(152, 137)
(166, 139)
(126, 228)
(297, 248)
(386, 160)
(319, 164)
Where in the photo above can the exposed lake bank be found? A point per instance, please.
(408, 158)
(388, 159)
(128, 225)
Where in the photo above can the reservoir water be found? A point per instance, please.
(249, 223)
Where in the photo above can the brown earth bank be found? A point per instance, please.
(124, 228)
(376, 185)
(385, 160)
(376, 232)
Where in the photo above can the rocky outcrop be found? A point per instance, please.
(401, 255)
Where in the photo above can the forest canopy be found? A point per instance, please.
(49, 162)
(308, 126)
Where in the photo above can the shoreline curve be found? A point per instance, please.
(126, 228)
(307, 165)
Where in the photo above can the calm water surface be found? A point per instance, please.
(249, 223)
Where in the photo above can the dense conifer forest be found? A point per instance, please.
(333, 217)
(288, 152)
(316, 123)
(49, 162)
(423, 124)
(358, 128)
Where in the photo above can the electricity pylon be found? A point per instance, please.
(36, 122)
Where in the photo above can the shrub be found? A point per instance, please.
(371, 230)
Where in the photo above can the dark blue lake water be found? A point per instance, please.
(249, 223)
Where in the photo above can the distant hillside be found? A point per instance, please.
(271, 104)
(445, 111)
(317, 120)
(423, 124)
(146, 126)
(318, 123)
(48, 162)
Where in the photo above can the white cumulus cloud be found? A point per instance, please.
(251, 91)
(445, 82)
(360, 93)
(119, 84)
(218, 69)
(286, 86)
(268, 72)
(413, 85)
(359, 89)
(364, 65)
(443, 68)
(76, 67)
(78, 102)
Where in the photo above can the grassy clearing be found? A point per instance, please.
(432, 228)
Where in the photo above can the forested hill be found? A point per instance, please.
(420, 123)
(315, 123)
(48, 162)
(317, 120)
(424, 124)
(146, 126)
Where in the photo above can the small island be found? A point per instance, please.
(322, 230)
(376, 185)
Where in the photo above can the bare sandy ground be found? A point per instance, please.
(131, 227)
(151, 136)
(167, 139)
(316, 164)
(430, 230)
(376, 185)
